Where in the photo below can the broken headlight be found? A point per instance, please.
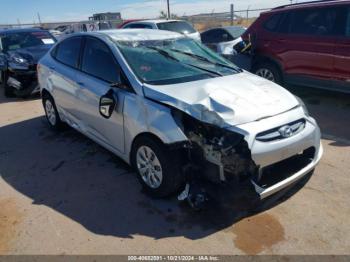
(17, 59)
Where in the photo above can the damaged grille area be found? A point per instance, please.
(220, 155)
(277, 172)
(277, 134)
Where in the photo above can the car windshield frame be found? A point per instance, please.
(170, 66)
(36, 40)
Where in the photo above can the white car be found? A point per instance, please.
(178, 26)
(171, 108)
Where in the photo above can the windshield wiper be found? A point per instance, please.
(169, 56)
(202, 58)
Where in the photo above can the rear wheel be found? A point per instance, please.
(159, 174)
(9, 90)
(51, 113)
(269, 72)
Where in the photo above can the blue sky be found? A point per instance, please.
(75, 10)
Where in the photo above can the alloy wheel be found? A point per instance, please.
(50, 112)
(149, 167)
(265, 73)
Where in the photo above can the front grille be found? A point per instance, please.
(277, 172)
(276, 134)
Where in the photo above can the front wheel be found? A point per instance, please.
(159, 174)
(269, 72)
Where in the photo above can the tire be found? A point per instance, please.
(8, 90)
(169, 165)
(268, 71)
(51, 113)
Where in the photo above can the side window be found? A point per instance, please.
(68, 51)
(285, 22)
(98, 61)
(272, 23)
(319, 21)
(144, 26)
(347, 26)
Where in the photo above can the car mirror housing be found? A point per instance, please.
(107, 104)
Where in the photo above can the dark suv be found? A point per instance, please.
(305, 44)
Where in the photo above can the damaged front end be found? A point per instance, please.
(21, 76)
(215, 158)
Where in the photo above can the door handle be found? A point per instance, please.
(52, 68)
(81, 83)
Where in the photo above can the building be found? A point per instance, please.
(106, 17)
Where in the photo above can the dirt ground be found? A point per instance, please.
(61, 193)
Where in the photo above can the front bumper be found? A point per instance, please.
(273, 153)
(23, 81)
(265, 192)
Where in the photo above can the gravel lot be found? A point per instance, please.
(64, 194)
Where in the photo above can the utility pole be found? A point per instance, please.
(39, 19)
(168, 3)
(232, 13)
(248, 12)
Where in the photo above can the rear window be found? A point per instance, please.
(177, 26)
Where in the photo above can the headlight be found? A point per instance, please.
(303, 106)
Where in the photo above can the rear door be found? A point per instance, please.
(99, 70)
(341, 71)
(309, 46)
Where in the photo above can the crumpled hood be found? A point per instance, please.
(225, 101)
(31, 54)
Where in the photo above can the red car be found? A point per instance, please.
(304, 44)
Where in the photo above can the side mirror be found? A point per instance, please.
(240, 46)
(107, 104)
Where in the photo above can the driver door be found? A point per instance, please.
(100, 107)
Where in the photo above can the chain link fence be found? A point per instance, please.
(201, 21)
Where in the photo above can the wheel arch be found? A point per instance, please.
(140, 136)
(261, 59)
(45, 93)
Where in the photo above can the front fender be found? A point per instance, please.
(145, 116)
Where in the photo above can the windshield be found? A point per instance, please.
(14, 41)
(173, 61)
(177, 26)
(235, 31)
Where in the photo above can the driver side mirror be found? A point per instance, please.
(107, 104)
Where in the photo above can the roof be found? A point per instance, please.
(309, 4)
(138, 34)
(20, 30)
